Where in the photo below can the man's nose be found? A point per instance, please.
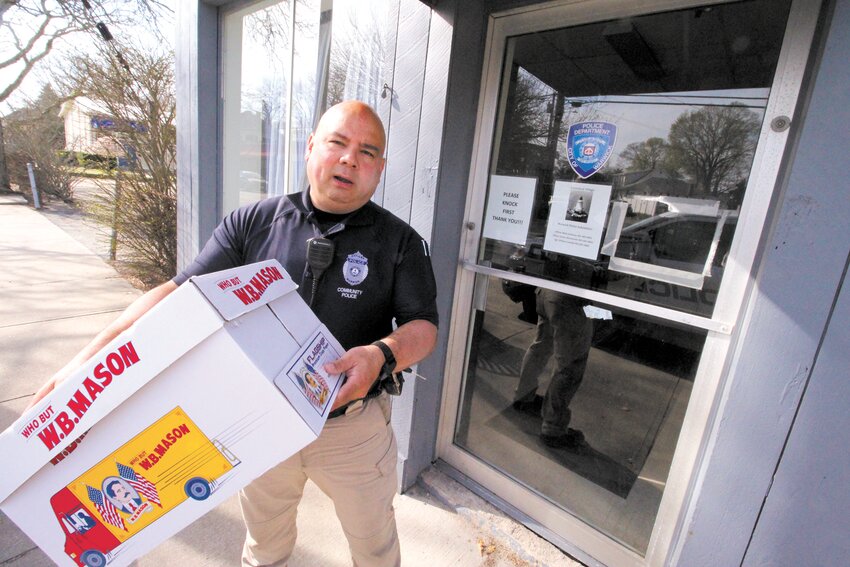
(349, 158)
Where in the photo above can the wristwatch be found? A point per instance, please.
(388, 381)
(389, 358)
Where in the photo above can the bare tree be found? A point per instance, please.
(714, 145)
(644, 156)
(359, 51)
(4, 168)
(30, 28)
(140, 99)
(35, 135)
(532, 105)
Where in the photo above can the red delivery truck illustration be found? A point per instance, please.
(168, 463)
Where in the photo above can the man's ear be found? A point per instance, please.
(309, 146)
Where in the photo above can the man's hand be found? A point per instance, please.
(51, 384)
(43, 391)
(410, 343)
(361, 365)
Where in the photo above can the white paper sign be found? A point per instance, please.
(509, 208)
(576, 219)
(593, 312)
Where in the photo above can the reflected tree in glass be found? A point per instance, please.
(645, 156)
(359, 51)
(714, 146)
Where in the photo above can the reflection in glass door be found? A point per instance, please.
(586, 412)
(619, 165)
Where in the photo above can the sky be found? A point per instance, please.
(34, 82)
(640, 117)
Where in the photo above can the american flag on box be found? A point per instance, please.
(140, 483)
(105, 508)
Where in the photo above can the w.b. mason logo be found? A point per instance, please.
(355, 269)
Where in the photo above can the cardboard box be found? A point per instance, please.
(215, 385)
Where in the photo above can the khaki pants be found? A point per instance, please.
(354, 462)
(565, 331)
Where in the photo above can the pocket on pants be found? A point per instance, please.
(387, 463)
(385, 402)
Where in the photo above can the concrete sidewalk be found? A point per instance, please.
(58, 293)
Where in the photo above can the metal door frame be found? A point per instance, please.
(586, 542)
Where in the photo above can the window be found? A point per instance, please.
(269, 84)
(682, 95)
(284, 63)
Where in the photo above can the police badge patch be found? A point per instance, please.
(589, 145)
(355, 269)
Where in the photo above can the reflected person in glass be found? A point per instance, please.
(564, 331)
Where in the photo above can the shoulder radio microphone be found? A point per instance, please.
(320, 255)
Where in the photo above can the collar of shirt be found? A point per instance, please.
(300, 203)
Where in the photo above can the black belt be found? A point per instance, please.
(373, 393)
(338, 412)
(389, 383)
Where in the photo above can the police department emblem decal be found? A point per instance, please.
(589, 145)
(355, 269)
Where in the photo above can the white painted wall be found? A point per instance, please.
(79, 134)
(431, 123)
(403, 126)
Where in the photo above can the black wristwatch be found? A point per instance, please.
(388, 381)
(389, 357)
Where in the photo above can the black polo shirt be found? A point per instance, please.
(381, 267)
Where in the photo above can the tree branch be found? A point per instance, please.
(30, 63)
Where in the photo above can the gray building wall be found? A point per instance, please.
(469, 26)
(804, 519)
(772, 487)
(198, 144)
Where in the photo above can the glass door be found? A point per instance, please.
(623, 172)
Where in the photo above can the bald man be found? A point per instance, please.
(380, 273)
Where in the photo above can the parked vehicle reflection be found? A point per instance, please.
(668, 240)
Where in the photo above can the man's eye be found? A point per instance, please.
(367, 153)
(336, 142)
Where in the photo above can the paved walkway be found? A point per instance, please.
(58, 293)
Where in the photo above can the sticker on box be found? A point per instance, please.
(304, 381)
